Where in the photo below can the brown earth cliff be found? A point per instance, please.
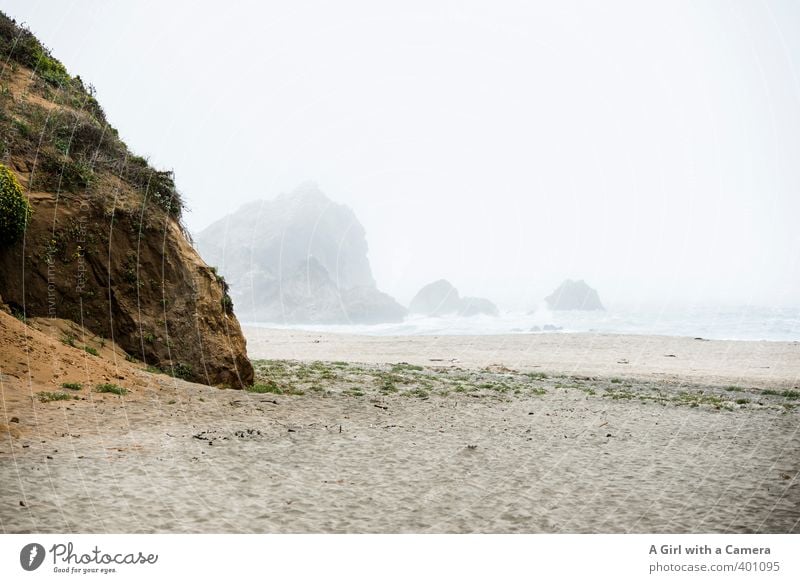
(105, 246)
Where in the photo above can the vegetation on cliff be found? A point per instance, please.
(15, 210)
(63, 128)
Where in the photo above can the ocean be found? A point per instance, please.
(721, 323)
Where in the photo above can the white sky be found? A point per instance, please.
(651, 148)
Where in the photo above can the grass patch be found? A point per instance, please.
(616, 380)
(266, 387)
(90, 350)
(619, 395)
(787, 394)
(404, 366)
(111, 388)
(46, 396)
(273, 388)
(72, 386)
(537, 375)
(697, 399)
(419, 393)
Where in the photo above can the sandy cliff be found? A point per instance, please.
(105, 246)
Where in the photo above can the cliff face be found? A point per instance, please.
(300, 258)
(105, 246)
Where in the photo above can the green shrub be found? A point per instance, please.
(182, 371)
(18, 42)
(110, 388)
(46, 396)
(72, 386)
(227, 304)
(267, 387)
(64, 173)
(92, 351)
(15, 210)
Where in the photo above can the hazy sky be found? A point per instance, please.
(651, 148)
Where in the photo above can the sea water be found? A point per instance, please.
(712, 322)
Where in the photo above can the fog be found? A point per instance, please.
(650, 148)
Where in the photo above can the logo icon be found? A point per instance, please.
(31, 556)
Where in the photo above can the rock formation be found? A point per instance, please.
(440, 298)
(574, 295)
(104, 246)
(300, 258)
(474, 306)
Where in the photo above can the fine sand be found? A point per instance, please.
(547, 433)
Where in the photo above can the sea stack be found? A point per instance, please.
(440, 298)
(298, 259)
(574, 295)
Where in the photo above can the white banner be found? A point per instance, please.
(354, 558)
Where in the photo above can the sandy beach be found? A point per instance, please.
(534, 433)
(760, 364)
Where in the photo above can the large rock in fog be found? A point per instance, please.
(441, 298)
(436, 299)
(574, 295)
(300, 258)
(475, 306)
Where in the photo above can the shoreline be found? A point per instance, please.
(329, 330)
